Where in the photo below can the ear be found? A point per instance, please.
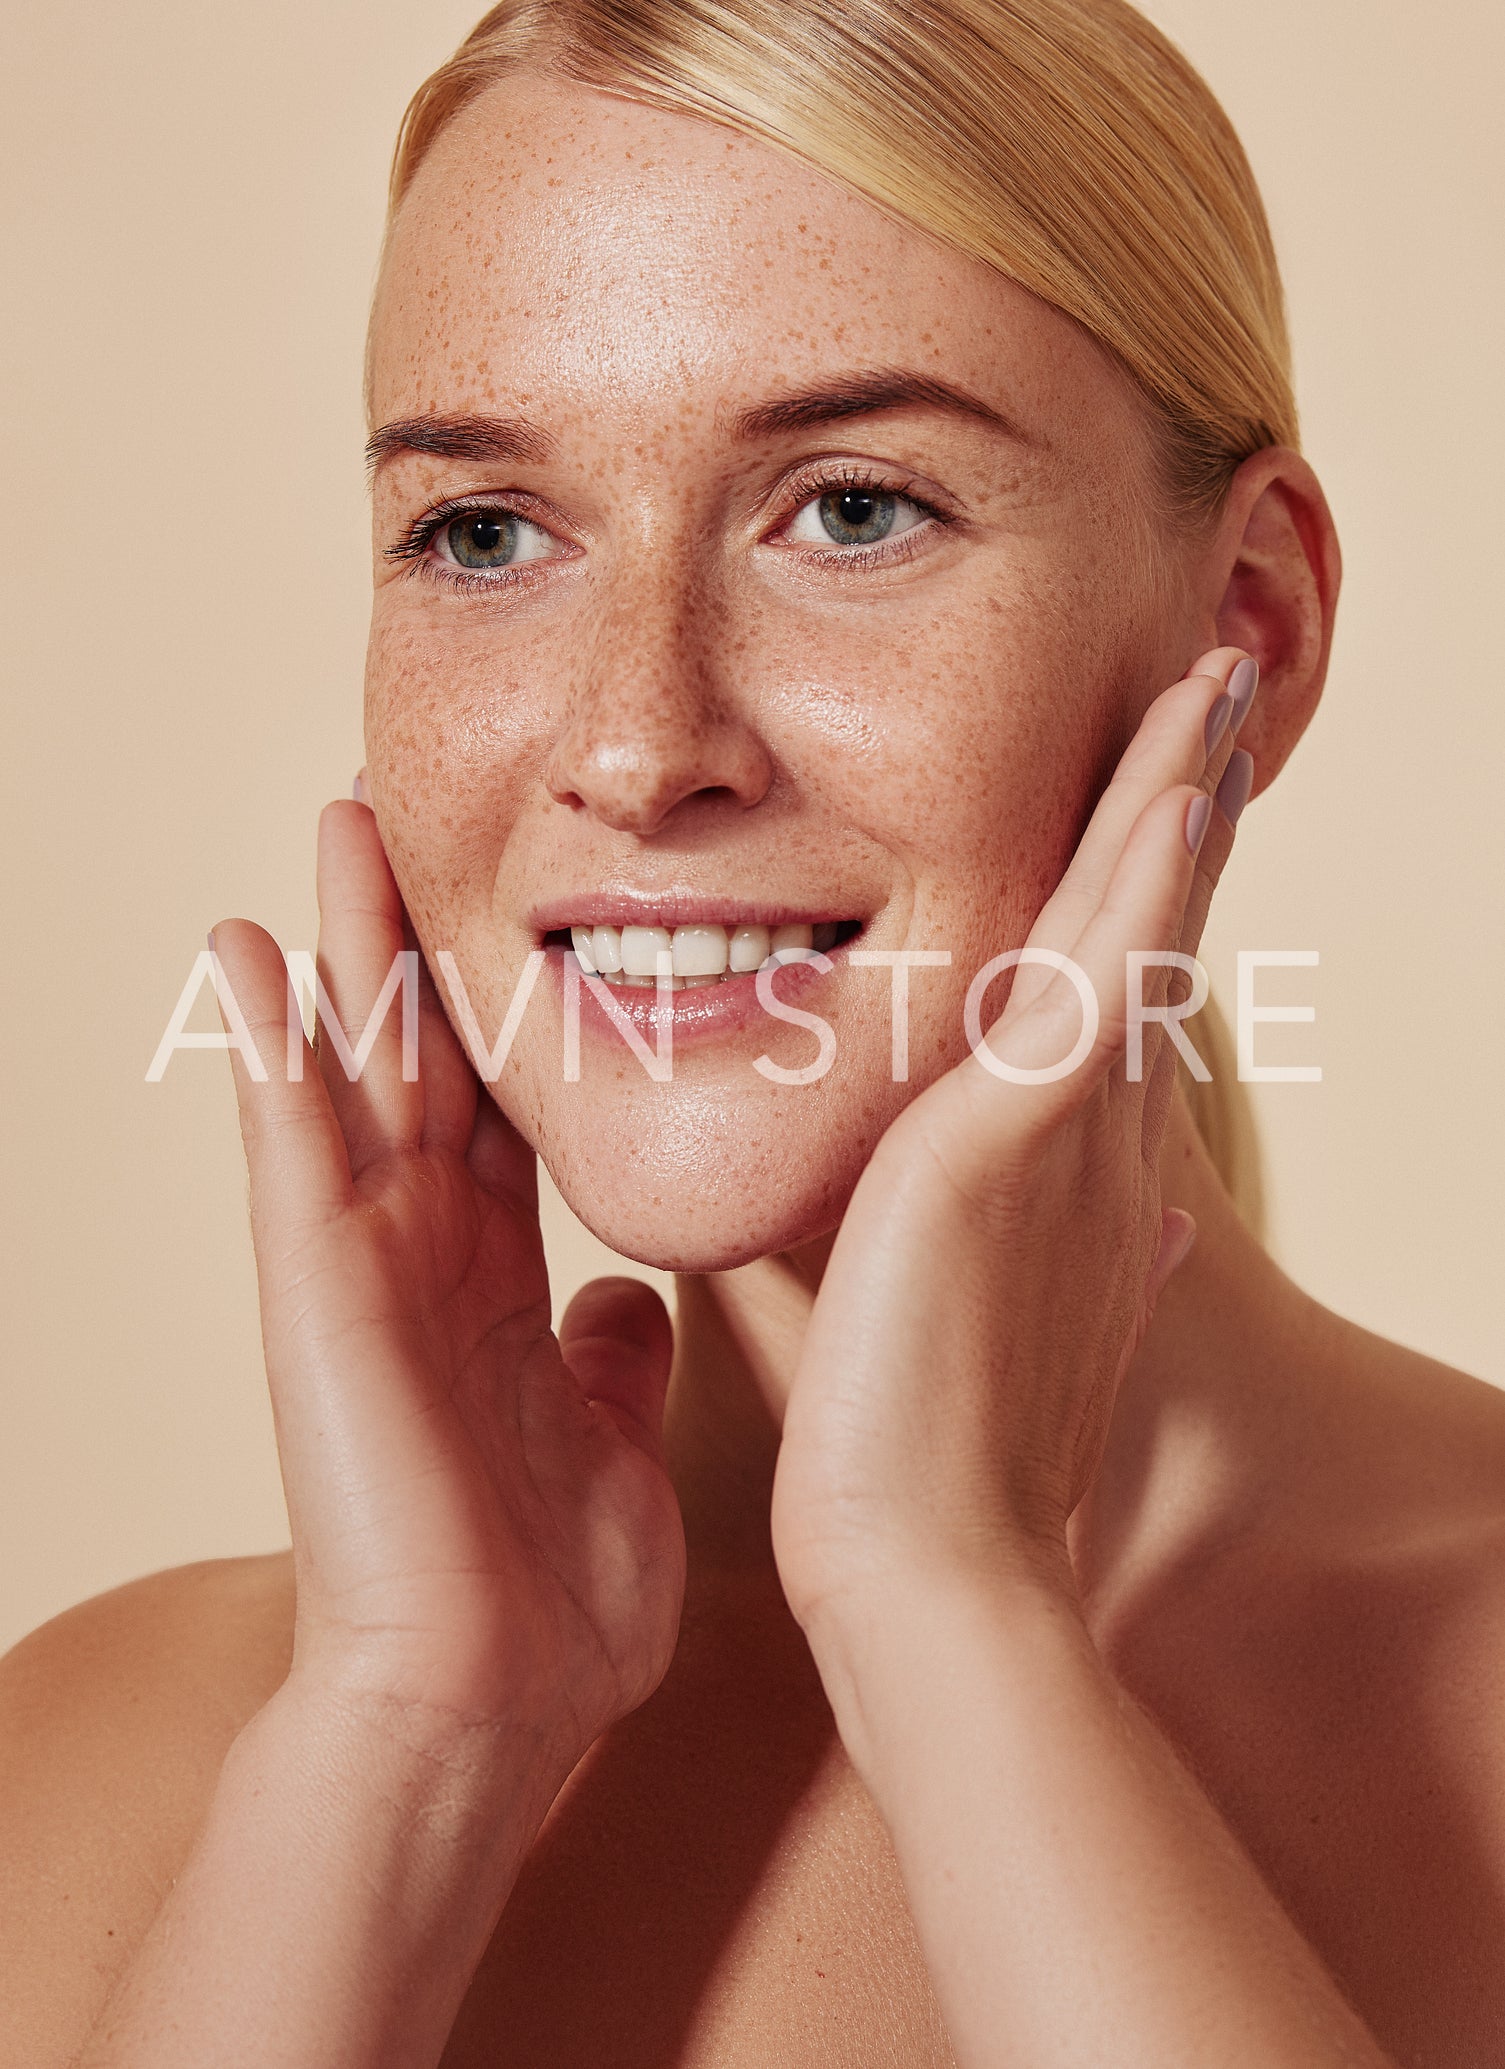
(1272, 588)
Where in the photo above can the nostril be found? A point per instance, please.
(642, 807)
(716, 794)
(632, 776)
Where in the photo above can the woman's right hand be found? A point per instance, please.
(483, 1528)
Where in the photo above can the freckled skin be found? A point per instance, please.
(684, 697)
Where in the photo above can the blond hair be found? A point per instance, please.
(1065, 142)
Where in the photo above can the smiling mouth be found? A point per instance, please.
(700, 955)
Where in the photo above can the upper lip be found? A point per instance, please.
(680, 908)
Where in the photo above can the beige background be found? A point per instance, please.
(193, 205)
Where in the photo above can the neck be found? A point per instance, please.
(1170, 1468)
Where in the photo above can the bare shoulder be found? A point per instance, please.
(114, 1721)
(1423, 1528)
(1327, 1652)
(1383, 1506)
(1338, 1602)
(1412, 1454)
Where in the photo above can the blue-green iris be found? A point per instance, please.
(482, 539)
(857, 517)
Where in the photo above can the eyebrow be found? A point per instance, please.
(469, 435)
(867, 394)
(466, 436)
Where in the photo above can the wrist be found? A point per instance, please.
(896, 1658)
(412, 1778)
(342, 1889)
(896, 1592)
(450, 1693)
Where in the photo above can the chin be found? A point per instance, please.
(687, 1186)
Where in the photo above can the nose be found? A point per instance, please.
(653, 719)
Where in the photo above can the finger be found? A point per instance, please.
(1144, 910)
(1230, 796)
(1184, 737)
(451, 1088)
(1211, 861)
(618, 1341)
(295, 1151)
(1178, 1231)
(1227, 664)
(1141, 909)
(361, 939)
(448, 1080)
(501, 1163)
(1228, 801)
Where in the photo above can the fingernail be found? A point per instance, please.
(1198, 812)
(358, 787)
(210, 938)
(1217, 720)
(1242, 684)
(1238, 781)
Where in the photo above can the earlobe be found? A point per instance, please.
(1280, 568)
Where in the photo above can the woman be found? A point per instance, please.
(834, 469)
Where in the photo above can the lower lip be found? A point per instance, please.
(703, 1012)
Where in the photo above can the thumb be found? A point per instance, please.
(617, 1340)
(1178, 1231)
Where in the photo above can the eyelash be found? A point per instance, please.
(823, 480)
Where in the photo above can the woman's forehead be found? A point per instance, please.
(564, 242)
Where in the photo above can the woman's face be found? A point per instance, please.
(803, 572)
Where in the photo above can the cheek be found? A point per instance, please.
(974, 754)
(450, 761)
(1028, 757)
(968, 743)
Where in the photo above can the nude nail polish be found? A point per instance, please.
(1242, 684)
(1217, 720)
(1198, 812)
(1238, 781)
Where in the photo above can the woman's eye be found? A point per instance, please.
(482, 541)
(853, 517)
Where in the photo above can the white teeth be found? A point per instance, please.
(641, 949)
(699, 951)
(795, 938)
(748, 949)
(698, 955)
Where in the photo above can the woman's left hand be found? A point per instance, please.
(1000, 1258)
(1076, 1895)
